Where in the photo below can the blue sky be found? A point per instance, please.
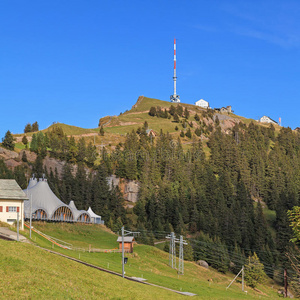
(77, 61)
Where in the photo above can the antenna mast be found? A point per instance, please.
(174, 97)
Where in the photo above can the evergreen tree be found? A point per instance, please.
(152, 111)
(35, 127)
(186, 113)
(8, 141)
(172, 110)
(24, 157)
(189, 133)
(81, 150)
(254, 271)
(179, 110)
(176, 118)
(101, 131)
(28, 128)
(25, 141)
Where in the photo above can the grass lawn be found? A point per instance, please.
(147, 262)
(28, 272)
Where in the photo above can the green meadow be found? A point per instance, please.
(146, 262)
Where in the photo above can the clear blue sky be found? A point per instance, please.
(76, 61)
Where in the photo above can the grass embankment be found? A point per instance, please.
(147, 262)
(28, 272)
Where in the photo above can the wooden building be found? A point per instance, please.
(128, 243)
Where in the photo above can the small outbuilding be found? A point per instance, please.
(11, 202)
(128, 243)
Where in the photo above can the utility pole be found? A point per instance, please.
(243, 284)
(181, 259)
(124, 233)
(180, 263)
(172, 251)
(30, 216)
(18, 226)
(123, 252)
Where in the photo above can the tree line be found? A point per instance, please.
(222, 195)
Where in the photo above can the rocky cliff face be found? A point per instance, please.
(12, 159)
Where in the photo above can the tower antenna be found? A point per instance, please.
(175, 97)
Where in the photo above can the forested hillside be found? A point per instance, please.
(228, 187)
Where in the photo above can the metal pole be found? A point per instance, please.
(170, 252)
(173, 251)
(243, 285)
(180, 265)
(30, 216)
(18, 226)
(235, 278)
(123, 251)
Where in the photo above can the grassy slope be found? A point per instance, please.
(27, 272)
(146, 261)
(119, 126)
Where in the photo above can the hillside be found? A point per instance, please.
(223, 181)
(146, 261)
(116, 127)
(28, 272)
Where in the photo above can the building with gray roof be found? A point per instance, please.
(11, 202)
(47, 206)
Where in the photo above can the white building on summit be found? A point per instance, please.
(266, 119)
(202, 103)
(46, 206)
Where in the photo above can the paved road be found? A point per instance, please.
(9, 234)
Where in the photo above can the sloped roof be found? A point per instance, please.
(32, 183)
(127, 239)
(75, 211)
(42, 198)
(92, 214)
(10, 190)
(268, 118)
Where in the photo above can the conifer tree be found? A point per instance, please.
(25, 141)
(254, 271)
(35, 127)
(8, 141)
(101, 131)
(28, 128)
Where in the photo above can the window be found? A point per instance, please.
(12, 209)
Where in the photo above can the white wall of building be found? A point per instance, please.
(266, 119)
(202, 103)
(10, 216)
